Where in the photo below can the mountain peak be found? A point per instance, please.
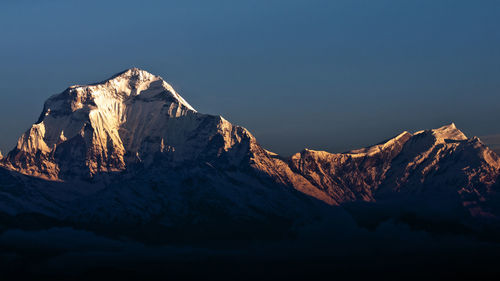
(131, 82)
(134, 72)
(450, 126)
(129, 112)
(446, 132)
(450, 132)
(391, 143)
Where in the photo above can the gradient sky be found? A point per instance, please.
(328, 75)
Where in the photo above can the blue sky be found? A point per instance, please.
(329, 75)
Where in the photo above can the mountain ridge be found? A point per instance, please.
(130, 148)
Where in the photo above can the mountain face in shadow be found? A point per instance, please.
(129, 157)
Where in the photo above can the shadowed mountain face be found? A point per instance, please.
(131, 150)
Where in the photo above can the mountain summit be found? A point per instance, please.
(101, 127)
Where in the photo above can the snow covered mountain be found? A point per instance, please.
(440, 167)
(131, 150)
(105, 126)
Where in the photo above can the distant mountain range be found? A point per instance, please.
(130, 150)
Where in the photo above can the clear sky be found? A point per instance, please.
(329, 75)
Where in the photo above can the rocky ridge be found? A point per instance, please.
(132, 149)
